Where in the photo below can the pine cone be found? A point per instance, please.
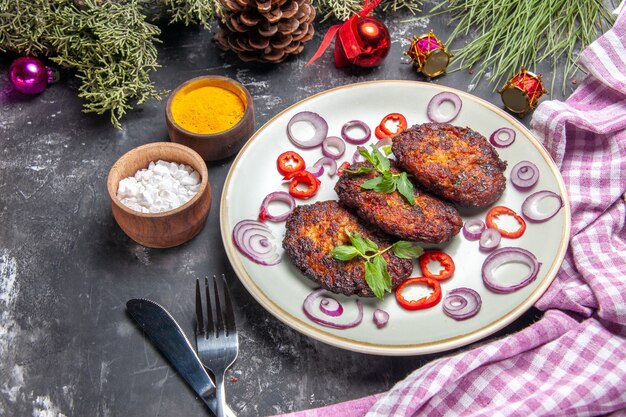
(265, 30)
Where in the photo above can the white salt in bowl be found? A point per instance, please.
(169, 228)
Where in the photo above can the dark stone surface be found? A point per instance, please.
(67, 346)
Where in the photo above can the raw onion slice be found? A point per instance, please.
(381, 318)
(502, 138)
(503, 256)
(351, 125)
(256, 242)
(489, 239)
(318, 167)
(333, 147)
(309, 309)
(462, 303)
(433, 110)
(531, 210)
(319, 124)
(524, 175)
(473, 228)
(357, 157)
(331, 307)
(277, 196)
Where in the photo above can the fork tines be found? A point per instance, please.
(220, 318)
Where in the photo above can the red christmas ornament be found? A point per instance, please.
(29, 75)
(362, 40)
(429, 55)
(522, 92)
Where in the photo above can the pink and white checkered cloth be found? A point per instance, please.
(573, 361)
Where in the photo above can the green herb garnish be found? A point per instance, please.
(376, 273)
(387, 182)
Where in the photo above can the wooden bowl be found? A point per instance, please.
(170, 228)
(215, 146)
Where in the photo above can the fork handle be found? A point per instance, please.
(220, 395)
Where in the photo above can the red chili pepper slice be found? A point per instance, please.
(344, 165)
(382, 131)
(290, 161)
(420, 303)
(440, 257)
(502, 210)
(300, 178)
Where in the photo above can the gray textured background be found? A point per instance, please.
(67, 346)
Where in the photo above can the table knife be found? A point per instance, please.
(169, 338)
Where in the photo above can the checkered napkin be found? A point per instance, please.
(572, 362)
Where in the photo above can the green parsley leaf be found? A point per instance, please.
(384, 272)
(405, 187)
(344, 252)
(368, 157)
(373, 183)
(361, 170)
(382, 161)
(386, 186)
(363, 245)
(374, 279)
(387, 182)
(406, 250)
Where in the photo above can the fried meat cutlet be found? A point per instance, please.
(313, 230)
(430, 220)
(452, 162)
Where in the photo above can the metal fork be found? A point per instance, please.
(217, 342)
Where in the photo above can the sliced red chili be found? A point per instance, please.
(440, 257)
(299, 179)
(344, 165)
(382, 131)
(290, 161)
(421, 303)
(500, 211)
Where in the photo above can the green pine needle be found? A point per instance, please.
(508, 34)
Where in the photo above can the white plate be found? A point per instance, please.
(281, 289)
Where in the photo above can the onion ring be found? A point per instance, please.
(462, 303)
(524, 175)
(473, 228)
(277, 196)
(433, 110)
(319, 124)
(308, 308)
(357, 157)
(489, 239)
(381, 317)
(331, 307)
(367, 133)
(256, 242)
(499, 142)
(333, 142)
(502, 256)
(318, 167)
(530, 206)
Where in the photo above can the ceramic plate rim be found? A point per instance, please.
(394, 349)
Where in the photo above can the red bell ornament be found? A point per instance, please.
(362, 40)
(522, 92)
(429, 55)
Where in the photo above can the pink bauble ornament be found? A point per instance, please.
(29, 75)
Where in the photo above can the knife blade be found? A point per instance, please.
(167, 336)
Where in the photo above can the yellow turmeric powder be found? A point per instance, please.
(206, 109)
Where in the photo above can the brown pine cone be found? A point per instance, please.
(265, 30)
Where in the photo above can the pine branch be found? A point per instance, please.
(509, 34)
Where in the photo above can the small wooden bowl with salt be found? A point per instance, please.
(211, 114)
(174, 226)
